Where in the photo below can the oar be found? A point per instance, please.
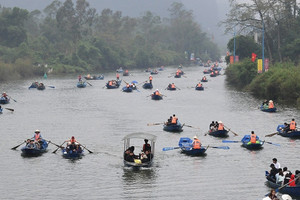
(163, 95)
(154, 124)
(272, 143)
(18, 145)
(51, 86)
(272, 134)
(231, 131)
(178, 88)
(12, 98)
(53, 143)
(85, 148)
(89, 83)
(220, 147)
(60, 146)
(184, 76)
(230, 141)
(206, 133)
(170, 148)
(191, 126)
(10, 109)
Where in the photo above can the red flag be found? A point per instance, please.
(253, 57)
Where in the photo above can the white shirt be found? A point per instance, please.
(277, 165)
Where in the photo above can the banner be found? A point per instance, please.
(259, 65)
(192, 58)
(266, 64)
(231, 60)
(236, 59)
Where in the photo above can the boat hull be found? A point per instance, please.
(156, 97)
(81, 85)
(292, 191)
(41, 87)
(219, 133)
(204, 80)
(72, 154)
(126, 89)
(169, 88)
(194, 152)
(34, 151)
(267, 109)
(173, 128)
(3, 100)
(148, 86)
(137, 165)
(253, 146)
(199, 88)
(177, 76)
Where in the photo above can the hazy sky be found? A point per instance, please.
(207, 13)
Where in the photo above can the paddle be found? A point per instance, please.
(220, 147)
(18, 145)
(272, 134)
(59, 146)
(170, 148)
(53, 143)
(50, 86)
(184, 76)
(178, 88)
(10, 109)
(12, 98)
(230, 141)
(89, 83)
(191, 126)
(235, 134)
(85, 148)
(154, 124)
(272, 143)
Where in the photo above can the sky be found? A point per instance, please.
(208, 13)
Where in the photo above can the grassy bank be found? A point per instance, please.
(281, 83)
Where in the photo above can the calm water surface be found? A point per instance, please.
(100, 118)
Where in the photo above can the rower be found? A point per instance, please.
(196, 143)
(173, 85)
(253, 138)
(150, 79)
(146, 146)
(293, 125)
(37, 135)
(118, 76)
(271, 104)
(174, 119)
(157, 92)
(199, 85)
(220, 126)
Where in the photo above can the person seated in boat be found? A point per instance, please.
(285, 171)
(212, 125)
(127, 85)
(271, 104)
(199, 84)
(196, 143)
(169, 121)
(150, 79)
(133, 86)
(279, 177)
(174, 119)
(110, 83)
(130, 155)
(276, 163)
(88, 76)
(37, 135)
(271, 176)
(30, 144)
(41, 84)
(265, 102)
(146, 146)
(220, 126)
(286, 127)
(156, 93)
(173, 86)
(143, 157)
(253, 138)
(149, 155)
(204, 78)
(177, 73)
(5, 95)
(118, 76)
(293, 125)
(79, 78)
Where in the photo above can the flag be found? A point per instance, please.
(253, 57)
(259, 65)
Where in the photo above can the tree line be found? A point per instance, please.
(73, 37)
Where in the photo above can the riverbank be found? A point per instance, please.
(281, 82)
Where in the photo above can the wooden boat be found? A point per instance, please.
(127, 89)
(173, 127)
(148, 86)
(116, 84)
(218, 133)
(120, 70)
(70, 154)
(156, 97)
(100, 77)
(292, 191)
(81, 84)
(126, 73)
(290, 134)
(170, 88)
(264, 109)
(154, 72)
(199, 88)
(41, 86)
(177, 76)
(32, 149)
(140, 137)
(185, 144)
(204, 80)
(252, 146)
(34, 85)
(4, 100)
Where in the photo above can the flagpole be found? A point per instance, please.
(234, 46)
(263, 46)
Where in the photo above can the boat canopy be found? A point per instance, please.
(141, 135)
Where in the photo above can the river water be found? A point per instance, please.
(99, 118)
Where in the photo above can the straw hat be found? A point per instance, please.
(195, 137)
(37, 131)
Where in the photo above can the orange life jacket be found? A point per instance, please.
(221, 126)
(199, 85)
(110, 83)
(271, 105)
(196, 144)
(204, 78)
(150, 78)
(127, 86)
(212, 73)
(118, 76)
(72, 140)
(253, 138)
(174, 120)
(156, 92)
(37, 136)
(173, 86)
(177, 73)
(126, 71)
(293, 125)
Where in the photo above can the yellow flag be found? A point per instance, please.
(259, 65)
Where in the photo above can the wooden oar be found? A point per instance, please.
(154, 124)
(272, 134)
(10, 109)
(89, 83)
(12, 98)
(191, 126)
(85, 148)
(60, 146)
(18, 145)
(235, 134)
(272, 143)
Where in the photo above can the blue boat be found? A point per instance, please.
(218, 133)
(156, 97)
(173, 127)
(33, 149)
(72, 154)
(252, 146)
(204, 80)
(185, 144)
(127, 89)
(199, 88)
(177, 75)
(34, 85)
(290, 134)
(293, 191)
(161, 68)
(137, 163)
(114, 84)
(81, 84)
(154, 72)
(41, 86)
(120, 70)
(266, 109)
(4, 100)
(148, 86)
(171, 88)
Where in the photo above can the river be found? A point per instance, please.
(99, 118)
